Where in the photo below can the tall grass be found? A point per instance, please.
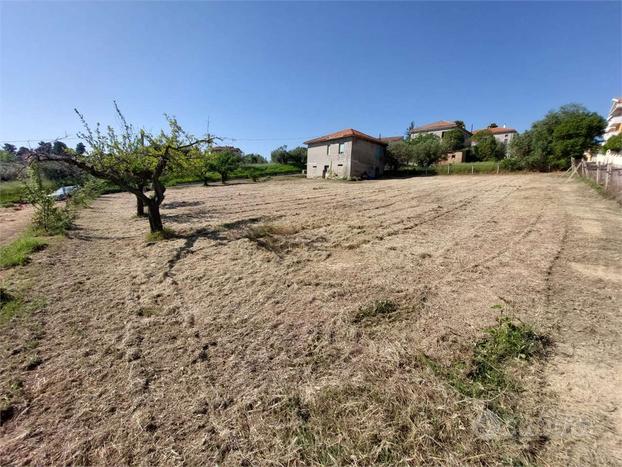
(17, 253)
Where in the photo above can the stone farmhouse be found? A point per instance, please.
(345, 154)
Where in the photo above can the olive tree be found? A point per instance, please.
(133, 160)
(427, 149)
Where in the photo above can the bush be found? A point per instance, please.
(48, 217)
(614, 143)
(512, 164)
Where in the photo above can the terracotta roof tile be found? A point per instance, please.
(497, 131)
(392, 139)
(440, 125)
(347, 133)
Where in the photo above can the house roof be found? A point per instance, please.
(440, 125)
(497, 130)
(391, 139)
(347, 133)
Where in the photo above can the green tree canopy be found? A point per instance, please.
(426, 149)
(487, 147)
(223, 163)
(453, 140)
(399, 153)
(614, 143)
(296, 156)
(563, 134)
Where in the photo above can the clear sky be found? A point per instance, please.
(277, 73)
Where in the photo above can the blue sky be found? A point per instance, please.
(277, 73)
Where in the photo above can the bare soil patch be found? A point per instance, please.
(13, 221)
(291, 322)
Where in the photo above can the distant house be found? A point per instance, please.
(344, 154)
(501, 134)
(440, 129)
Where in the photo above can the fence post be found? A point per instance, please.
(497, 168)
(607, 176)
(448, 165)
(471, 169)
(597, 172)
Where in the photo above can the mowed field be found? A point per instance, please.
(242, 341)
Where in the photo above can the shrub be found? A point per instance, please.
(614, 143)
(512, 164)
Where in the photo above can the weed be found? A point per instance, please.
(12, 306)
(486, 374)
(33, 362)
(375, 309)
(17, 253)
(165, 234)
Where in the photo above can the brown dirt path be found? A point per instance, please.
(216, 348)
(13, 221)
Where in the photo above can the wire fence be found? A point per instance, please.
(607, 176)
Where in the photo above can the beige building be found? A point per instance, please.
(501, 134)
(440, 129)
(345, 154)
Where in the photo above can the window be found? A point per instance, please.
(342, 148)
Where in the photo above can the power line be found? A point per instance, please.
(70, 137)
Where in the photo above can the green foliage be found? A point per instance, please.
(254, 159)
(426, 149)
(453, 140)
(161, 235)
(17, 253)
(6, 156)
(47, 217)
(224, 163)
(512, 164)
(485, 375)
(487, 147)
(562, 134)
(296, 157)
(399, 154)
(10, 306)
(614, 143)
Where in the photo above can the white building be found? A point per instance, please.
(614, 119)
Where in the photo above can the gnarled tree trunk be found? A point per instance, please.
(155, 219)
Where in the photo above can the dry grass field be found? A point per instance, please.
(298, 322)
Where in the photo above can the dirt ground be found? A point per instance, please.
(13, 221)
(235, 342)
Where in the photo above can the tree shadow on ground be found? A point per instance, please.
(223, 234)
(181, 204)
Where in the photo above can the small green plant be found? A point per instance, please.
(164, 234)
(10, 306)
(48, 217)
(17, 253)
(485, 375)
(375, 309)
